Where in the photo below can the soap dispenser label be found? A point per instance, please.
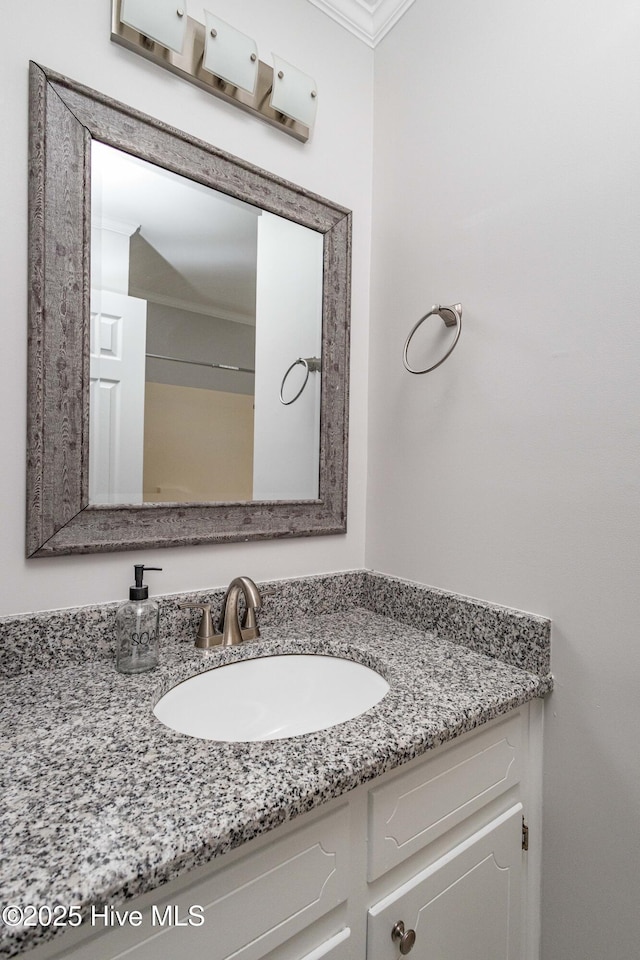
(143, 640)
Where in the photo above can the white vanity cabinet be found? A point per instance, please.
(436, 845)
(458, 816)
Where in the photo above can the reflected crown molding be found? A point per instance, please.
(369, 20)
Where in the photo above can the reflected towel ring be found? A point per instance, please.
(452, 317)
(311, 365)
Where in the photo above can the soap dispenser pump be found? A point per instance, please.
(137, 622)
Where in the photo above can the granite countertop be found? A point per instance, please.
(102, 802)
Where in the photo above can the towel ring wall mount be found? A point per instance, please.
(311, 365)
(451, 317)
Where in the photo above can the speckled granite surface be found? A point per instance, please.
(522, 639)
(59, 638)
(113, 790)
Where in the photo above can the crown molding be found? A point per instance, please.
(369, 20)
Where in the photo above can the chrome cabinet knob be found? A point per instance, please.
(406, 940)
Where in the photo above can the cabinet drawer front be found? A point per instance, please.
(336, 948)
(250, 907)
(260, 902)
(467, 904)
(415, 808)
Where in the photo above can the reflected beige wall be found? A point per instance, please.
(198, 444)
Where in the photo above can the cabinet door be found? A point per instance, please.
(465, 906)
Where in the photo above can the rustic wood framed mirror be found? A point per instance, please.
(66, 119)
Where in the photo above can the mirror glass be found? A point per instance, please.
(200, 304)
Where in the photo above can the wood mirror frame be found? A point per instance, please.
(64, 118)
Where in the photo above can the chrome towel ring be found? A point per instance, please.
(311, 365)
(452, 317)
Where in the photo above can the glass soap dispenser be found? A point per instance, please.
(137, 628)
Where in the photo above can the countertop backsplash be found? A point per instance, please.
(60, 638)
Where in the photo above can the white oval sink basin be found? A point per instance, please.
(271, 698)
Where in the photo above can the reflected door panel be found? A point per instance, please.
(117, 378)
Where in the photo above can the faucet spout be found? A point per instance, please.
(232, 632)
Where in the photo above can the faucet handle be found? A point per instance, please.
(206, 636)
(249, 626)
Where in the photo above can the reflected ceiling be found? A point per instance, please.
(188, 238)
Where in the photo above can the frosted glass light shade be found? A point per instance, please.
(294, 93)
(164, 21)
(230, 55)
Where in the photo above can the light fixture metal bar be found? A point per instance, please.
(188, 65)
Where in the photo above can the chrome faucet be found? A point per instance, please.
(229, 630)
(232, 631)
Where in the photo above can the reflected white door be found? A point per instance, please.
(117, 375)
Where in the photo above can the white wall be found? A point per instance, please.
(507, 157)
(286, 445)
(72, 37)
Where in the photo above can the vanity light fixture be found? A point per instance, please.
(294, 94)
(229, 55)
(217, 58)
(158, 21)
